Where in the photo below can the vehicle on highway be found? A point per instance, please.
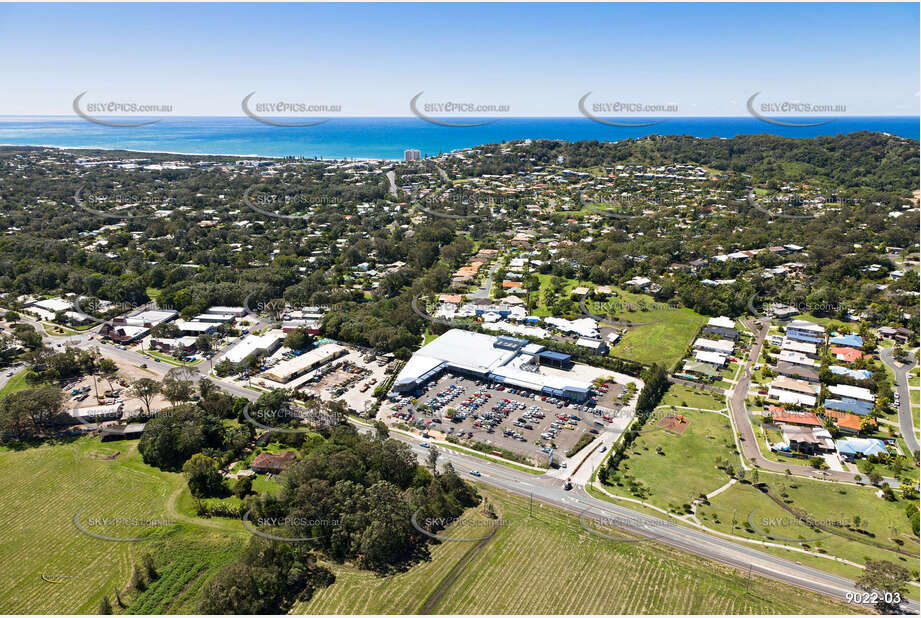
(475, 473)
(424, 444)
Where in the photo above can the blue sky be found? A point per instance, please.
(538, 59)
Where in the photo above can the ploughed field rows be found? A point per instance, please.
(184, 566)
(43, 488)
(550, 564)
(360, 592)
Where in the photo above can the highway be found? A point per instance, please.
(906, 425)
(549, 490)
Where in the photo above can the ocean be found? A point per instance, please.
(387, 138)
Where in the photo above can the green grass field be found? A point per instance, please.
(15, 384)
(882, 521)
(657, 335)
(45, 487)
(681, 395)
(549, 564)
(707, 435)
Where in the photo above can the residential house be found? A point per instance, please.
(790, 390)
(845, 355)
(273, 463)
(802, 330)
(722, 326)
(800, 372)
(852, 448)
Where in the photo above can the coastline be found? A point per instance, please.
(204, 154)
(384, 139)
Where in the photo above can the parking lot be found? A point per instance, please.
(507, 418)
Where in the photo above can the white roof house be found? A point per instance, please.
(722, 346)
(802, 347)
(584, 327)
(714, 358)
(54, 304)
(790, 390)
(797, 358)
(151, 317)
(235, 311)
(286, 371)
(852, 392)
(805, 326)
(721, 322)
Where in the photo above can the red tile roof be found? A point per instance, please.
(273, 461)
(846, 354)
(780, 415)
(846, 420)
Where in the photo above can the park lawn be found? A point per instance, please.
(694, 452)
(509, 574)
(686, 396)
(915, 414)
(914, 381)
(915, 396)
(15, 384)
(46, 486)
(822, 501)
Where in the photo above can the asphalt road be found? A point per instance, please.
(549, 491)
(749, 440)
(906, 425)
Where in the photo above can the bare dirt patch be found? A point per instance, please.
(675, 423)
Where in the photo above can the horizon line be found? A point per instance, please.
(411, 116)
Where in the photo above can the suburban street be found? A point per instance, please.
(906, 426)
(748, 439)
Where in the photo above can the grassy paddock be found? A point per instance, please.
(550, 564)
(44, 487)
